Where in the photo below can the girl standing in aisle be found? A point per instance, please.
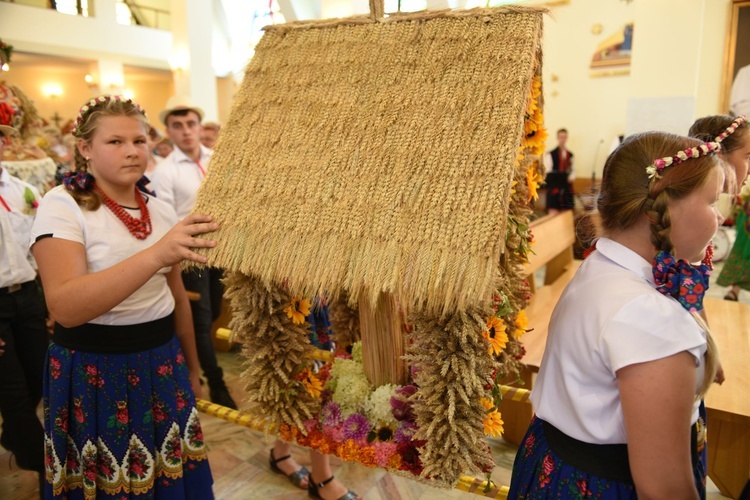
(628, 357)
(734, 136)
(122, 370)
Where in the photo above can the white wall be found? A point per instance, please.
(45, 31)
(678, 50)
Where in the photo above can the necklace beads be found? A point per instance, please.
(140, 228)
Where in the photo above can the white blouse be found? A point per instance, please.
(609, 316)
(108, 242)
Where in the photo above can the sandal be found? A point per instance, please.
(313, 487)
(295, 477)
(731, 296)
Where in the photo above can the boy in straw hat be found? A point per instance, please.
(176, 181)
(23, 334)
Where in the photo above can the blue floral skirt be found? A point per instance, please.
(538, 472)
(122, 426)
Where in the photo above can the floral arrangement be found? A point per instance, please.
(433, 429)
(6, 50)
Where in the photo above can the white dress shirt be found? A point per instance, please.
(610, 316)
(177, 179)
(16, 262)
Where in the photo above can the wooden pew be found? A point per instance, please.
(554, 236)
(728, 405)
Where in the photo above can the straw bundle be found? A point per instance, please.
(376, 155)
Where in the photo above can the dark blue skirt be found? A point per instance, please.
(122, 426)
(538, 472)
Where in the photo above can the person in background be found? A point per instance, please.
(164, 147)
(558, 164)
(734, 135)
(122, 373)
(153, 139)
(739, 98)
(603, 426)
(209, 134)
(176, 182)
(23, 334)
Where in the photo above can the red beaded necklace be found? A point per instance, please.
(140, 228)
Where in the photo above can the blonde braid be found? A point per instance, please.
(657, 211)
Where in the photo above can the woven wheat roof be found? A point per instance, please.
(376, 155)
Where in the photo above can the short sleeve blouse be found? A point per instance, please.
(609, 316)
(108, 242)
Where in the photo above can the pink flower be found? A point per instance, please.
(356, 427)
(383, 451)
(660, 163)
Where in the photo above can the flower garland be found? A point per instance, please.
(731, 128)
(96, 101)
(657, 167)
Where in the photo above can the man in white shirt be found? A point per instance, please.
(739, 100)
(23, 334)
(176, 181)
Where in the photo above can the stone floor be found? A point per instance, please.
(239, 460)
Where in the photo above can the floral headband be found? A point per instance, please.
(656, 168)
(731, 128)
(96, 101)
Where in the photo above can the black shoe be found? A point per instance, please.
(220, 395)
(313, 487)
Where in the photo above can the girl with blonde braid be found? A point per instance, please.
(628, 357)
(122, 369)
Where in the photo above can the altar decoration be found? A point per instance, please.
(389, 165)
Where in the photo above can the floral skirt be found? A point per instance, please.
(538, 472)
(122, 426)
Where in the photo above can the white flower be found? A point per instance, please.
(378, 406)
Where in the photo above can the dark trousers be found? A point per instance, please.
(25, 335)
(207, 283)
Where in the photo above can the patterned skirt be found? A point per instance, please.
(538, 472)
(122, 426)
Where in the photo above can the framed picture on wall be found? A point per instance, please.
(737, 70)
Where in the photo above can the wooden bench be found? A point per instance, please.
(728, 405)
(554, 237)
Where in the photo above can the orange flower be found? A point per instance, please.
(288, 432)
(493, 424)
(487, 403)
(298, 310)
(348, 450)
(495, 335)
(533, 180)
(312, 383)
(394, 461)
(367, 456)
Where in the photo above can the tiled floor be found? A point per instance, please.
(239, 460)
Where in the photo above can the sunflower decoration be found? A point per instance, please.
(298, 310)
(534, 179)
(495, 335)
(522, 325)
(493, 423)
(312, 383)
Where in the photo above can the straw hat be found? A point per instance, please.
(178, 103)
(8, 131)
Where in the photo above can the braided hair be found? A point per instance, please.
(628, 193)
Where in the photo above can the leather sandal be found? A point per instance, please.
(731, 296)
(295, 477)
(313, 487)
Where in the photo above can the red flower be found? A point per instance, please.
(529, 444)
(136, 468)
(78, 412)
(181, 402)
(91, 370)
(158, 412)
(6, 113)
(548, 465)
(133, 379)
(582, 488)
(122, 413)
(180, 359)
(163, 370)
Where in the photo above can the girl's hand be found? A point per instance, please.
(177, 243)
